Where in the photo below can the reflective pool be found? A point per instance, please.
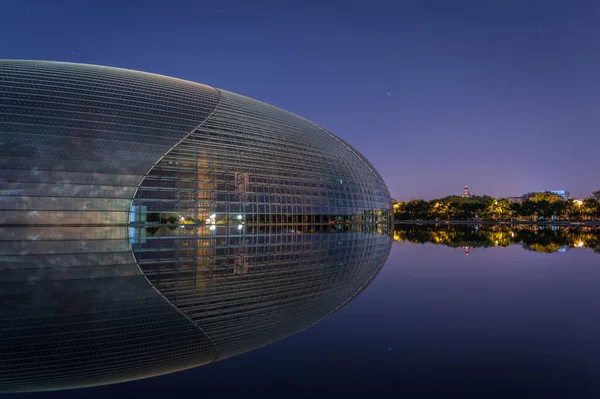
(503, 321)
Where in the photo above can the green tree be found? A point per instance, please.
(516, 210)
(572, 210)
(557, 208)
(400, 211)
(417, 209)
(536, 206)
(440, 210)
(544, 196)
(498, 209)
(590, 208)
(596, 195)
(411, 210)
(543, 205)
(528, 209)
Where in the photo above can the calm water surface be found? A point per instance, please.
(500, 322)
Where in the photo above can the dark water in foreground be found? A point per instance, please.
(501, 322)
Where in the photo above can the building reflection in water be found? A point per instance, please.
(86, 306)
(545, 239)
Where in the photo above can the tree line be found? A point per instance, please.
(533, 207)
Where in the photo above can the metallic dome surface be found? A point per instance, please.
(150, 224)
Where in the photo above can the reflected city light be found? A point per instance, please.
(545, 239)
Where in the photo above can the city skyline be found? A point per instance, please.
(500, 96)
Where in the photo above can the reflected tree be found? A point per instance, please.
(544, 239)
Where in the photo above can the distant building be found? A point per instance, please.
(563, 193)
(466, 193)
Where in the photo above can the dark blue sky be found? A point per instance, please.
(503, 96)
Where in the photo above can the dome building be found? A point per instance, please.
(152, 224)
(84, 144)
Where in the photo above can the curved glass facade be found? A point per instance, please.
(151, 224)
(78, 139)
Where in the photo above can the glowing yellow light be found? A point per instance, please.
(580, 244)
(211, 219)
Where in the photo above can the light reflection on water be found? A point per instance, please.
(93, 305)
(503, 322)
(545, 239)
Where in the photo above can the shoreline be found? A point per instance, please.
(501, 222)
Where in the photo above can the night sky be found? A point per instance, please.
(502, 95)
